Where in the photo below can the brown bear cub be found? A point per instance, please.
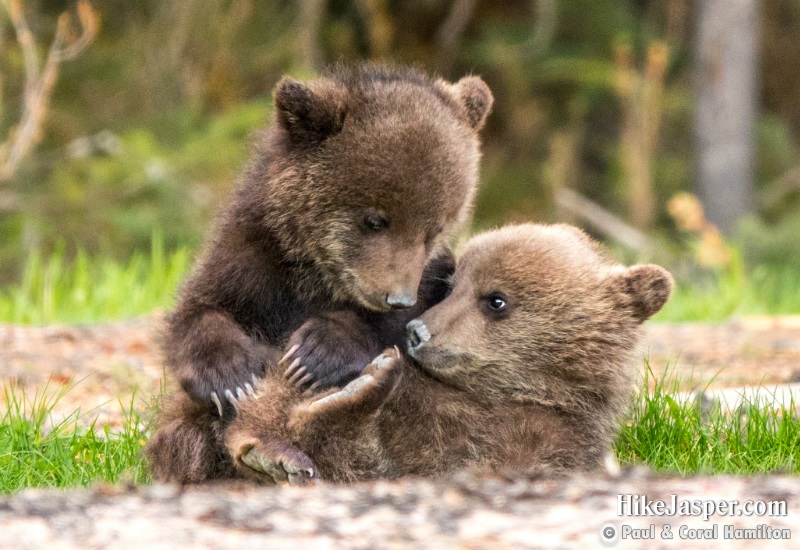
(529, 363)
(351, 192)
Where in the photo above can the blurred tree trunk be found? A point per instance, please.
(726, 65)
(311, 15)
(641, 95)
(449, 34)
(380, 31)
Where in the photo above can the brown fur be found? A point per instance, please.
(351, 192)
(541, 384)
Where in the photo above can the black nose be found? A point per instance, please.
(399, 301)
(418, 334)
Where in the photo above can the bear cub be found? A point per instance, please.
(335, 238)
(528, 363)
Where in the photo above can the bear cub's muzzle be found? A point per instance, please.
(418, 336)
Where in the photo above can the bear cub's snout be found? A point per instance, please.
(418, 335)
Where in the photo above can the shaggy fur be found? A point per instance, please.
(355, 187)
(527, 364)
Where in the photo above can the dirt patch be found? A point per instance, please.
(110, 361)
(105, 366)
(739, 352)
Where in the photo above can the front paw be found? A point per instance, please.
(367, 392)
(276, 461)
(228, 381)
(326, 352)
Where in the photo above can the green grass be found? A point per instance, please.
(662, 433)
(37, 452)
(761, 291)
(53, 290)
(737, 289)
(684, 438)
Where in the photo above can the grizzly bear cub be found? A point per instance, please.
(529, 363)
(352, 191)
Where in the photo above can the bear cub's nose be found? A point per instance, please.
(400, 301)
(418, 334)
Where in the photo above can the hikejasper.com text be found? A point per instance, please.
(641, 505)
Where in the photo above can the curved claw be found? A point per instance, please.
(297, 375)
(303, 381)
(230, 397)
(292, 367)
(297, 475)
(217, 402)
(249, 389)
(289, 353)
(240, 394)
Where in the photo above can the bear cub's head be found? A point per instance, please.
(372, 169)
(540, 313)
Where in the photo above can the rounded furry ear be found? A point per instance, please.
(647, 287)
(309, 116)
(475, 98)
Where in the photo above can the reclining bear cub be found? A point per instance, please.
(529, 363)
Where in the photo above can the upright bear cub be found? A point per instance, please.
(528, 363)
(351, 192)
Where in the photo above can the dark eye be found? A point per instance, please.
(497, 302)
(376, 223)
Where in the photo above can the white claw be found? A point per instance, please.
(303, 380)
(297, 375)
(310, 472)
(215, 399)
(312, 387)
(289, 353)
(255, 380)
(240, 393)
(250, 391)
(291, 368)
(230, 397)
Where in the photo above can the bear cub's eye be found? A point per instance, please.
(497, 302)
(495, 305)
(375, 222)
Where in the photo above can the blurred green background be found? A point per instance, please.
(144, 129)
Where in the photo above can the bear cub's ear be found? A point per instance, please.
(475, 99)
(310, 116)
(647, 287)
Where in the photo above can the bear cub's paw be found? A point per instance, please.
(275, 461)
(230, 381)
(327, 351)
(365, 393)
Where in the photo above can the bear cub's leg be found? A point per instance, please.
(267, 454)
(348, 407)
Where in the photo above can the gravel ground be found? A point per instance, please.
(465, 511)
